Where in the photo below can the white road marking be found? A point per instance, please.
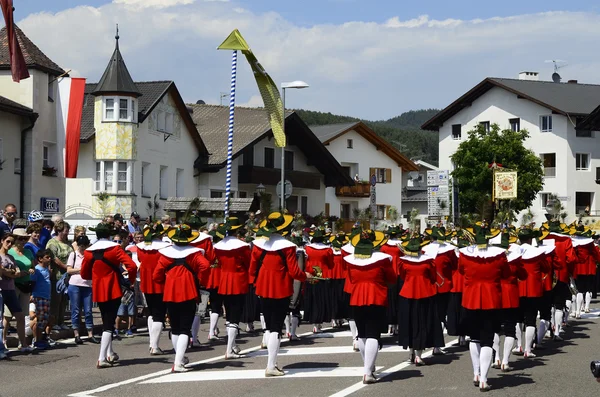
(357, 386)
(200, 376)
(307, 351)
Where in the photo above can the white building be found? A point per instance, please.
(138, 143)
(550, 112)
(363, 154)
(414, 191)
(257, 161)
(41, 182)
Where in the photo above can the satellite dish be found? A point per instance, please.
(414, 174)
(200, 102)
(556, 77)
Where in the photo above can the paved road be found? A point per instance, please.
(319, 365)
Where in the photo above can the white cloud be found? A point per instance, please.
(364, 69)
(254, 102)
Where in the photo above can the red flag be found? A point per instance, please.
(18, 67)
(70, 104)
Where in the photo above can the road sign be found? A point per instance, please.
(437, 178)
(49, 205)
(373, 205)
(438, 194)
(373, 180)
(288, 189)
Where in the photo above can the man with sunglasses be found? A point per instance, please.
(10, 214)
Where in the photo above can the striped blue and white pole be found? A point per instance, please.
(230, 136)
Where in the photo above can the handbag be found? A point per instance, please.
(62, 285)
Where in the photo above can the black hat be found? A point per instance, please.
(118, 217)
(135, 215)
(82, 240)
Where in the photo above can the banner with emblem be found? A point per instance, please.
(505, 185)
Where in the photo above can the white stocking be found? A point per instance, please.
(214, 318)
(231, 335)
(294, 325)
(287, 322)
(569, 304)
(182, 344)
(150, 321)
(529, 335)
(195, 328)
(353, 329)
(509, 341)
(588, 300)
(104, 343)
(174, 339)
(371, 349)
(579, 303)
(155, 335)
(496, 346)
(475, 350)
(263, 323)
(485, 360)
(558, 314)
(273, 347)
(519, 334)
(265, 338)
(361, 342)
(110, 350)
(542, 331)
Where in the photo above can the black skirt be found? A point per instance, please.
(455, 324)
(481, 325)
(419, 324)
(251, 309)
(443, 301)
(585, 283)
(317, 305)
(393, 297)
(339, 305)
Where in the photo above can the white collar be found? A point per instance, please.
(476, 252)
(376, 257)
(348, 248)
(153, 246)
(530, 252)
(318, 246)
(434, 249)
(202, 236)
(102, 244)
(275, 243)
(581, 241)
(417, 259)
(178, 252)
(513, 253)
(230, 243)
(393, 243)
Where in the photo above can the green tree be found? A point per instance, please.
(474, 176)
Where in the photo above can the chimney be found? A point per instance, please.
(572, 81)
(531, 76)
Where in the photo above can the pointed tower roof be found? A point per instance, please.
(34, 57)
(116, 78)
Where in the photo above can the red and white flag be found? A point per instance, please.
(18, 66)
(69, 107)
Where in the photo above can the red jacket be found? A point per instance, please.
(148, 256)
(319, 255)
(565, 257)
(234, 258)
(458, 280)
(370, 278)
(339, 266)
(482, 290)
(346, 250)
(587, 255)
(510, 285)
(445, 262)
(391, 248)
(419, 277)
(105, 281)
(274, 279)
(211, 278)
(548, 277)
(535, 263)
(179, 283)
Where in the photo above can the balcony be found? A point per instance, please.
(550, 172)
(271, 176)
(360, 189)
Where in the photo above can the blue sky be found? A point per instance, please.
(366, 58)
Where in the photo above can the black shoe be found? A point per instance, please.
(92, 339)
(78, 340)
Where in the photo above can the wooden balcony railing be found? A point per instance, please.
(360, 189)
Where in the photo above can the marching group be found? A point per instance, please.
(477, 283)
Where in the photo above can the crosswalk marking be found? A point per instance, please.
(199, 376)
(308, 351)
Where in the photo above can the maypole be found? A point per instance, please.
(230, 134)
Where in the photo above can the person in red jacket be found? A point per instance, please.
(339, 305)
(319, 262)
(483, 268)
(179, 268)
(370, 273)
(148, 256)
(585, 270)
(273, 266)
(420, 327)
(445, 261)
(456, 312)
(564, 261)
(346, 250)
(102, 264)
(391, 247)
(234, 258)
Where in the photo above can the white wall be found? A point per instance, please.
(10, 134)
(362, 157)
(498, 106)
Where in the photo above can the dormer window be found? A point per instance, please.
(120, 109)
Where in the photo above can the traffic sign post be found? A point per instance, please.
(438, 192)
(288, 189)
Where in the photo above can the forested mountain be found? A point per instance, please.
(404, 131)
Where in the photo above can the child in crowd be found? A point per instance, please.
(31, 319)
(127, 309)
(41, 295)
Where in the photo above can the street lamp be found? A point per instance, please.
(298, 84)
(260, 189)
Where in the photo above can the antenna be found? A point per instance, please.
(558, 64)
(223, 95)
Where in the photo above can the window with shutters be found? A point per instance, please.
(382, 175)
(327, 210)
